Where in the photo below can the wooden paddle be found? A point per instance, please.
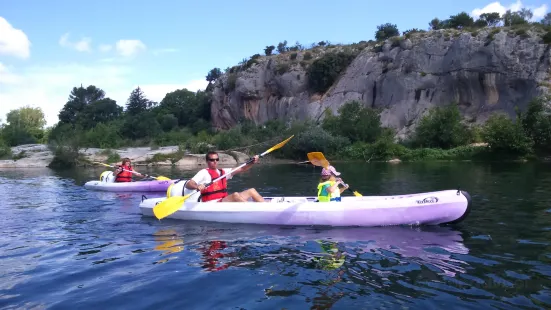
(159, 178)
(318, 159)
(172, 204)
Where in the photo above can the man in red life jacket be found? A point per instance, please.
(218, 191)
(122, 175)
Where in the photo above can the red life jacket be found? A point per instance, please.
(124, 176)
(216, 190)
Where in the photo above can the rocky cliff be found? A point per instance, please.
(482, 71)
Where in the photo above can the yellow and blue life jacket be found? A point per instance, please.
(324, 195)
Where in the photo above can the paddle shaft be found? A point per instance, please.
(239, 167)
(134, 172)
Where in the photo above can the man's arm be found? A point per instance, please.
(244, 168)
(193, 182)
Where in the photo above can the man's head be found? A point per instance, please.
(212, 159)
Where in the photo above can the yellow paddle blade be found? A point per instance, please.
(162, 178)
(317, 159)
(357, 194)
(169, 206)
(279, 145)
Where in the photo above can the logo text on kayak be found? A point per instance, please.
(428, 200)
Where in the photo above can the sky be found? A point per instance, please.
(49, 47)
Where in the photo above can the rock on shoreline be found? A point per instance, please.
(40, 156)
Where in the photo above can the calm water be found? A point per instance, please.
(62, 246)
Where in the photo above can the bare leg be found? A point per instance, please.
(235, 197)
(244, 196)
(251, 193)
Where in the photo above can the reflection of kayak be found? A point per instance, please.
(108, 184)
(432, 245)
(431, 208)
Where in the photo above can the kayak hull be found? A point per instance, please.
(430, 208)
(137, 186)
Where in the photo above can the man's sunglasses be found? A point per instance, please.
(213, 159)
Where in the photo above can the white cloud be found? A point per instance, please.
(7, 77)
(105, 47)
(48, 87)
(129, 48)
(83, 45)
(538, 12)
(13, 41)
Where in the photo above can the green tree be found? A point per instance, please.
(546, 20)
(490, 19)
(460, 21)
(141, 126)
(79, 98)
(27, 118)
(100, 111)
(282, 47)
(516, 18)
(355, 122)
(386, 31)
(24, 125)
(435, 24)
(186, 106)
(441, 128)
(168, 122)
(505, 136)
(214, 74)
(137, 102)
(324, 71)
(536, 123)
(268, 50)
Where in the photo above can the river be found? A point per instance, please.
(62, 246)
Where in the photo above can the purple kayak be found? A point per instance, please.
(430, 208)
(107, 183)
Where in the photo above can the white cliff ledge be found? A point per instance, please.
(40, 156)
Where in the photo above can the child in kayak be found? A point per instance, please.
(328, 188)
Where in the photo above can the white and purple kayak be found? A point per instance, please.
(430, 208)
(108, 184)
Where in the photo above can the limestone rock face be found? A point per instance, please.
(492, 70)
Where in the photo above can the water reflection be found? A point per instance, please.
(63, 246)
(169, 242)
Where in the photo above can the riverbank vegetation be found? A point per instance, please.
(91, 119)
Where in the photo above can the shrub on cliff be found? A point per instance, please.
(505, 136)
(536, 123)
(314, 139)
(441, 128)
(324, 71)
(385, 31)
(354, 122)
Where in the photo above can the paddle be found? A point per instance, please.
(159, 178)
(172, 204)
(317, 159)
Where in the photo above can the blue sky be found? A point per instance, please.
(47, 47)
